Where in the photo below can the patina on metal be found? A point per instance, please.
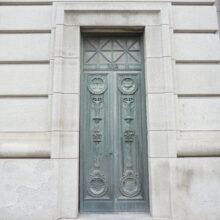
(113, 149)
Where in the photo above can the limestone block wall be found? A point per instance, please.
(196, 53)
(25, 32)
(39, 157)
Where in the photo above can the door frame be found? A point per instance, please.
(69, 20)
(142, 108)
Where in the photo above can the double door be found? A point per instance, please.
(113, 159)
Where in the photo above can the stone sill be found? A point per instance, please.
(118, 216)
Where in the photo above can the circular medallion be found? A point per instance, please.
(97, 186)
(130, 186)
(97, 85)
(128, 85)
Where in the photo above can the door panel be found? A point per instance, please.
(96, 149)
(113, 166)
(112, 53)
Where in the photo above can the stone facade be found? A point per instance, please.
(40, 93)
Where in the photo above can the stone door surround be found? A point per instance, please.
(69, 20)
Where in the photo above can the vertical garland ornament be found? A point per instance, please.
(97, 184)
(129, 182)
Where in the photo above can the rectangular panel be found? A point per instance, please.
(198, 47)
(194, 18)
(97, 150)
(198, 143)
(19, 47)
(199, 113)
(112, 53)
(197, 79)
(24, 114)
(20, 79)
(129, 166)
(122, 18)
(25, 17)
(24, 145)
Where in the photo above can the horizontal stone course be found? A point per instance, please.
(197, 79)
(25, 17)
(194, 18)
(24, 47)
(198, 143)
(24, 114)
(23, 144)
(199, 113)
(24, 79)
(196, 47)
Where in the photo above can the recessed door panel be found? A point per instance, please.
(113, 159)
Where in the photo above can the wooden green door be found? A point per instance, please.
(113, 151)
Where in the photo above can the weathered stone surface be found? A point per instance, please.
(196, 188)
(24, 79)
(194, 18)
(159, 181)
(162, 144)
(25, 17)
(199, 113)
(65, 112)
(154, 79)
(48, 189)
(153, 34)
(24, 114)
(28, 189)
(197, 2)
(197, 79)
(25, 144)
(196, 47)
(158, 75)
(198, 143)
(24, 47)
(67, 75)
(38, 189)
(116, 216)
(124, 18)
(65, 145)
(160, 111)
(66, 41)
